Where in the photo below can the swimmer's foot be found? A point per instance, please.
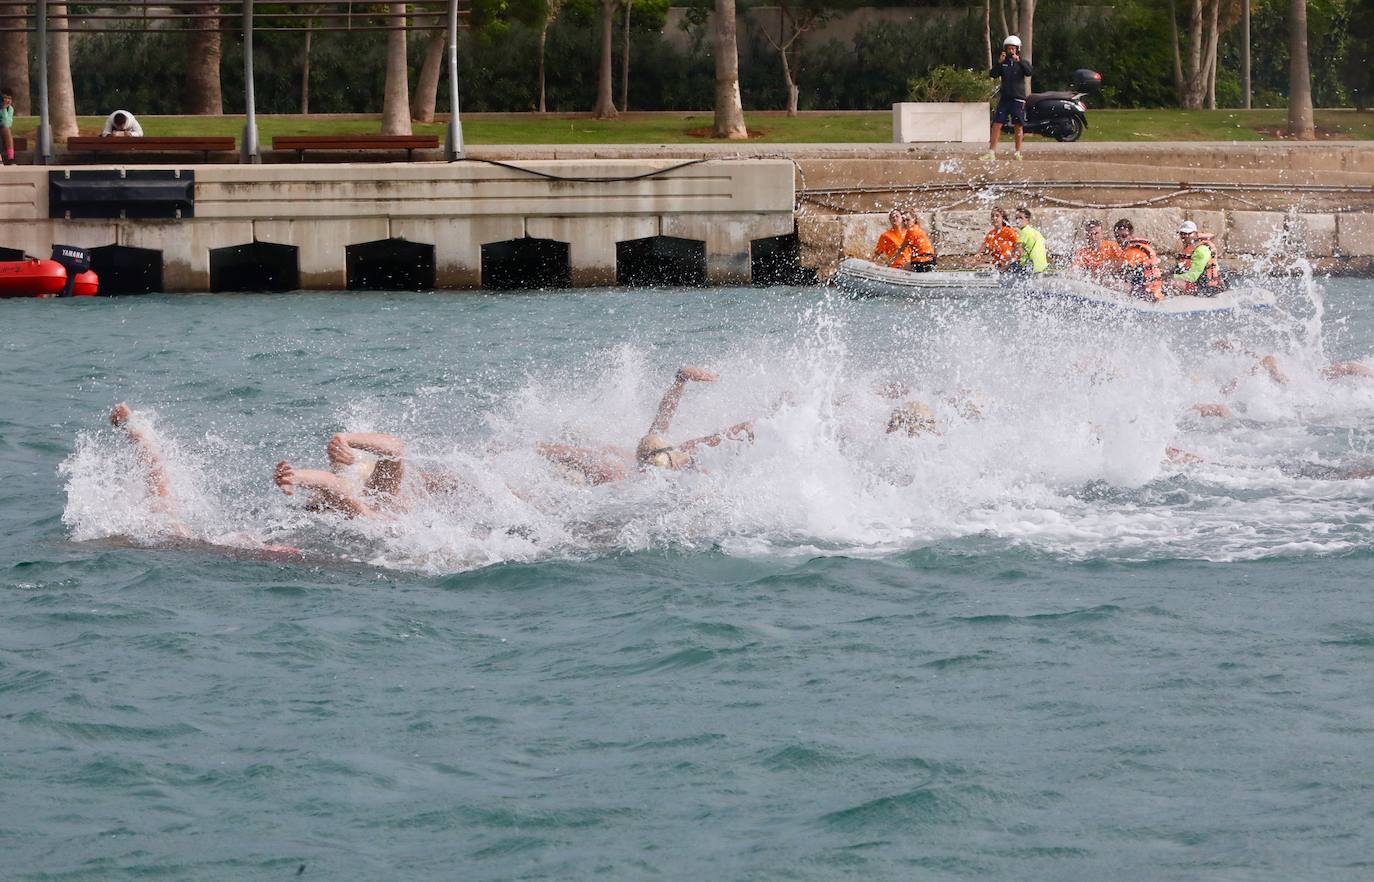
(285, 478)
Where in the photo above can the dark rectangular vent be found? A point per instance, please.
(122, 193)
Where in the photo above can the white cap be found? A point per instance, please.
(1188, 227)
(1012, 40)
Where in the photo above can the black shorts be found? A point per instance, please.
(1012, 110)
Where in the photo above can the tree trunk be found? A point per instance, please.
(792, 90)
(1178, 55)
(543, 41)
(987, 30)
(1002, 19)
(1194, 97)
(61, 95)
(427, 86)
(605, 101)
(1210, 67)
(14, 56)
(305, 68)
(1027, 25)
(1300, 123)
(200, 93)
(729, 107)
(396, 95)
(625, 61)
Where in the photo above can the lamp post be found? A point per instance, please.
(248, 150)
(1245, 49)
(43, 149)
(453, 143)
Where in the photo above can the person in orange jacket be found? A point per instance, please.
(892, 249)
(999, 245)
(1099, 257)
(921, 253)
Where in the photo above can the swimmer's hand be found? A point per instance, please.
(120, 415)
(691, 372)
(285, 478)
(340, 453)
(741, 432)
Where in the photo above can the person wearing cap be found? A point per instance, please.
(121, 124)
(1011, 95)
(607, 464)
(1098, 256)
(1198, 272)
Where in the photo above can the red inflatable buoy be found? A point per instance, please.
(86, 284)
(31, 278)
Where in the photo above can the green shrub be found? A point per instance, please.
(946, 82)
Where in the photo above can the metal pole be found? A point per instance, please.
(1245, 49)
(453, 144)
(248, 150)
(42, 153)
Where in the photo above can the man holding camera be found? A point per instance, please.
(1011, 97)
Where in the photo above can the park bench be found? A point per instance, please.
(153, 144)
(374, 143)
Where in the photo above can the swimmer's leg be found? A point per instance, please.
(333, 491)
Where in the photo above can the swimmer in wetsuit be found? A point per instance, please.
(604, 465)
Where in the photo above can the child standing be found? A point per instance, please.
(6, 127)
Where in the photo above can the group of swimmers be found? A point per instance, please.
(368, 475)
(1015, 247)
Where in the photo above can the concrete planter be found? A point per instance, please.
(961, 122)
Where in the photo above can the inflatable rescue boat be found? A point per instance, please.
(67, 274)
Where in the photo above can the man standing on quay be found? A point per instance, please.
(1011, 97)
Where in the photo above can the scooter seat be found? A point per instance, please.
(1037, 97)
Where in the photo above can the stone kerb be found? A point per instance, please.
(939, 121)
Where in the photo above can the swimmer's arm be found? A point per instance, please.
(667, 408)
(739, 432)
(388, 449)
(1338, 369)
(331, 489)
(155, 467)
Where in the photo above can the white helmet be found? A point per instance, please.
(1012, 40)
(1187, 227)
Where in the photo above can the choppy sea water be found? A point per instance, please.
(1028, 647)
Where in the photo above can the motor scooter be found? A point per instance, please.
(1061, 115)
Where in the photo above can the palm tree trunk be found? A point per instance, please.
(14, 56)
(61, 95)
(987, 30)
(396, 95)
(1027, 25)
(200, 95)
(305, 68)
(625, 61)
(729, 121)
(605, 101)
(543, 41)
(427, 86)
(1300, 123)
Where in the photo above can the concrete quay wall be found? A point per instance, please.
(592, 205)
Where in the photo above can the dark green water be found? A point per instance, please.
(1028, 648)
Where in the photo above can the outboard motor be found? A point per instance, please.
(75, 260)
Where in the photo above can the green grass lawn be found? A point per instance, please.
(855, 127)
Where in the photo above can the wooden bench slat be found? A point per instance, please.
(360, 142)
(200, 144)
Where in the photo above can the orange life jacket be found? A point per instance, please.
(918, 245)
(893, 243)
(1211, 278)
(1142, 269)
(1000, 243)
